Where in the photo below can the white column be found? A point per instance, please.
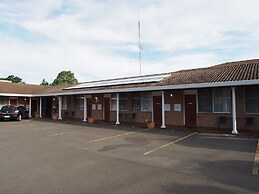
(118, 110)
(59, 107)
(85, 108)
(40, 107)
(30, 107)
(234, 114)
(163, 110)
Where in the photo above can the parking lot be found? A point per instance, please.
(56, 157)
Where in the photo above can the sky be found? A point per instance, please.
(99, 39)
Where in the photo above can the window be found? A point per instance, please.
(205, 100)
(136, 102)
(252, 99)
(114, 102)
(146, 101)
(123, 98)
(221, 100)
(214, 100)
(123, 102)
(79, 103)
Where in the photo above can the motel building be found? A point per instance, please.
(224, 96)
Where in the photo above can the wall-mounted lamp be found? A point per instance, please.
(53, 98)
(171, 95)
(96, 99)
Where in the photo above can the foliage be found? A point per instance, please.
(65, 77)
(44, 82)
(14, 79)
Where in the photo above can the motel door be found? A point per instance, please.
(157, 109)
(89, 107)
(190, 110)
(34, 106)
(107, 109)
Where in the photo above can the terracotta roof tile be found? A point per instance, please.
(234, 71)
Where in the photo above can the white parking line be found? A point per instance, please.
(168, 144)
(55, 134)
(113, 136)
(256, 160)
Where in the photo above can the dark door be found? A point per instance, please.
(107, 109)
(47, 107)
(190, 110)
(89, 107)
(34, 105)
(157, 109)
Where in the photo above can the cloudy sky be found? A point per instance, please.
(98, 39)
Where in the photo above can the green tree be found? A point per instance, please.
(65, 77)
(44, 82)
(14, 79)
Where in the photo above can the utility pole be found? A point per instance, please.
(139, 47)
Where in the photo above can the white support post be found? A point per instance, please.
(59, 107)
(40, 107)
(30, 107)
(152, 108)
(118, 110)
(163, 110)
(85, 108)
(234, 114)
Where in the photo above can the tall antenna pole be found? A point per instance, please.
(139, 47)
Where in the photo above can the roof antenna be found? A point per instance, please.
(139, 47)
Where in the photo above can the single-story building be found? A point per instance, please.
(224, 96)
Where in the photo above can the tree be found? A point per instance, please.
(44, 82)
(65, 77)
(14, 79)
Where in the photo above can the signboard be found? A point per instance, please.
(167, 107)
(177, 108)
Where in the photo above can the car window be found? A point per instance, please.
(9, 109)
(21, 108)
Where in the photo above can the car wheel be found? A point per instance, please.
(19, 118)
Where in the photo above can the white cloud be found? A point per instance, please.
(99, 39)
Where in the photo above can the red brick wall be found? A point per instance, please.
(176, 118)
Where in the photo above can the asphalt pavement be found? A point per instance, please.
(55, 157)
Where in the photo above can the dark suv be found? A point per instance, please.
(10, 112)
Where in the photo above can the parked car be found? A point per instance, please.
(10, 112)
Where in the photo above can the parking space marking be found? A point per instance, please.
(55, 134)
(168, 144)
(256, 160)
(114, 136)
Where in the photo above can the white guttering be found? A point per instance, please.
(156, 88)
(16, 95)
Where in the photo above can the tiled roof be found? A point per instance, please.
(14, 88)
(233, 71)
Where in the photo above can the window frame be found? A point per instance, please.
(213, 97)
(80, 105)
